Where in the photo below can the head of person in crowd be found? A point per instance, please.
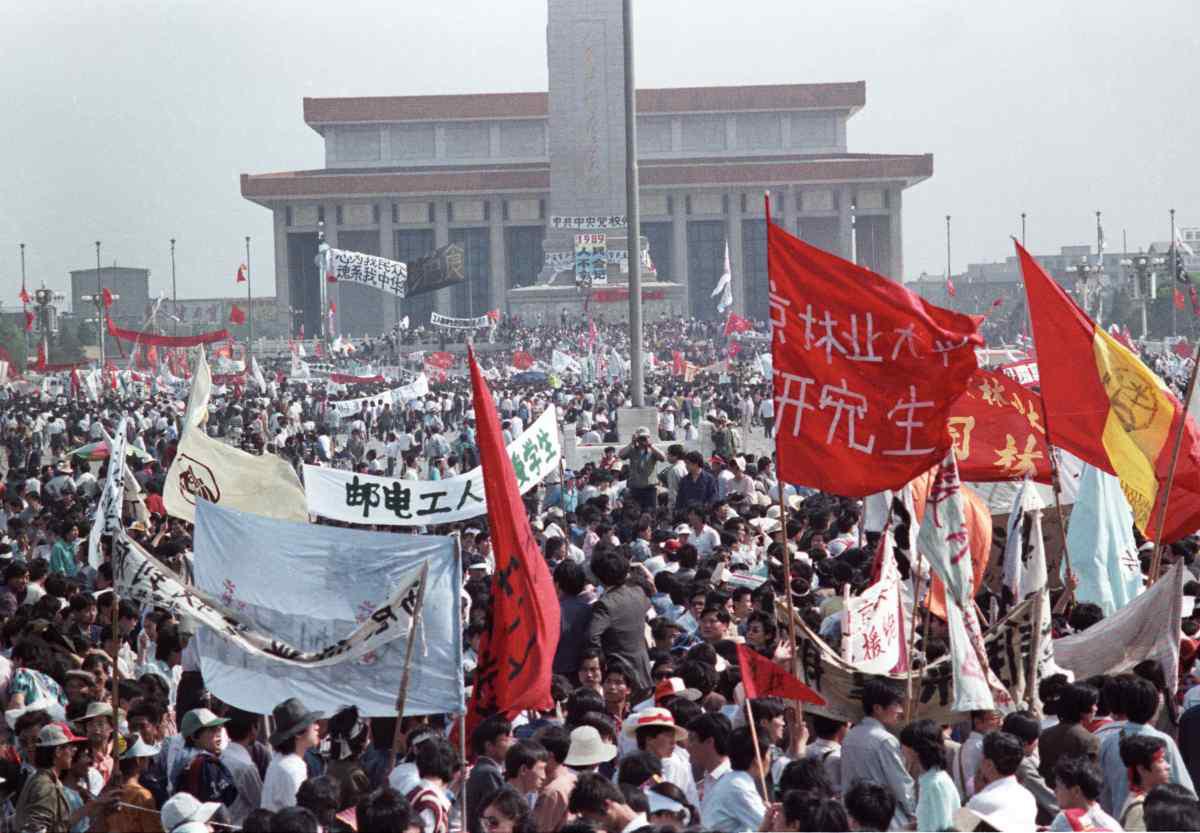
(869, 806)
(883, 701)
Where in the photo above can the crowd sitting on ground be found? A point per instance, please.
(664, 561)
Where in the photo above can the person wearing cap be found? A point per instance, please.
(655, 731)
(588, 750)
(43, 803)
(127, 789)
(725, 440)
(642, 459)
(295, 733)
(203, 774)
(184, 814)
(97, 725)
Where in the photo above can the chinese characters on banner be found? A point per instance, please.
(387, 501)
(613, 221)
(346, 408)
(873, 629)
(591, 262)
(479, 321)
(1023, 372)
(998, 431)
(865, 371)
(369, 270)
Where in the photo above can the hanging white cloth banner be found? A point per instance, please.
(395, 397)
(369, 270)
(366, 499)
(446, 322)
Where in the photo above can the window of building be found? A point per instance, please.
(287, 216)
(523, 253)
(472, 296)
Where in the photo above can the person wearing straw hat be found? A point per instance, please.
(42, 803)
(655, 731)
(588, 750)
(295, 733)
(136, 812)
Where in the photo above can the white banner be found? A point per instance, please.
(107, 520)
(446, 322)
(345, 408)
(219, 473)
(366, 499)
(563, 363)
(369, 270)
(311, 586)
(873, 628)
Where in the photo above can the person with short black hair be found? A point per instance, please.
(575, 615)
(525, 766)
(601, 802)
(490, 742)
(870, 752)
(869, 806)
(1077, 788)
(827, 748)
(386, 809)
(550, 810)
(1145, 759)
(971, 752)
(734, 803)
(437, 764)
(1074, 705)
(618, 621)
(924, 748)
(1172, 807)
(1001, 801)
(1027, 729)
(708, 746)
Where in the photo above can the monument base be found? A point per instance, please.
(609, 303)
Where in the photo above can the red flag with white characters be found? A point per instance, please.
(763, 678)
(999, 431)
(865, 371)
(516, 656)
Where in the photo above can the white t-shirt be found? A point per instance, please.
(284, 777)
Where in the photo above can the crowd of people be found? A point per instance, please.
(664, 560)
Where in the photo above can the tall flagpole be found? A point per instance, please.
(99, 306)
(633, 229)
(249, 307)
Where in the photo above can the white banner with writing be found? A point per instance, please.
(369, 270)
(367, 499)
(345, 408)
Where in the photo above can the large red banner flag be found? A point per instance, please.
(516, 656)
(865, 371)
(763, 678)
(999, 431)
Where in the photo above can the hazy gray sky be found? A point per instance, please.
(129, 122)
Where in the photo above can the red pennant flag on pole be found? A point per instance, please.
(763, 678)
(516, 656)
(241, 273)
(24, 296)
(41, 356)
(865, 371)
(107, 296)
(236, 316)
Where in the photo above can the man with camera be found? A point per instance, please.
(641, 459)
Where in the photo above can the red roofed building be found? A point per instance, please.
(406, 174)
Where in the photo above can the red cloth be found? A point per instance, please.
(442, 360)
(522, 360)
(1182, 349)
(736, 324)
(28, 321)
(999, 431)
(107, 296)
(24, 296)
(517, 655)
(1179, 303)
(236, 316)
(241, 273)
(950, 290)
(493, 315)
(165, 341)
(763, 678)
(865, 371)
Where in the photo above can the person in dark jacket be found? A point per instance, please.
(618, 625)
(698, 486)
(575, 617)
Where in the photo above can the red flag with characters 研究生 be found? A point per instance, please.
(999, 431)
(865, 371)
(516, 656)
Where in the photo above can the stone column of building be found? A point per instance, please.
(441, 236)
(733, 237)
(895, 233)
(498, 283)
(387, 248)
(845, 226)
(679, 249)
(283, 287)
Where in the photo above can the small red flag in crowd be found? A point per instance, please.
(516, 656)
(236, 316)
(736, 324)
(522, 360)
(24, 296)
(41, 356)
(763, 678)
(241, 273)
(1179, 303)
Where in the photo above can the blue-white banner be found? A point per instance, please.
(1104, 555)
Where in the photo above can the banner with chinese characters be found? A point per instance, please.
(865, 372)
(445, 321)
(369, 270)
(611, 221)
(872, 630)
(1024, 372)
(312, 587)
(591, 266)
(387, 501)
(346, 408)
(999, 431)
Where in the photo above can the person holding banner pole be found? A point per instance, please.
(402, 696)
(1159, 544)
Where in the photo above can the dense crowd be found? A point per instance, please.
(664, 560)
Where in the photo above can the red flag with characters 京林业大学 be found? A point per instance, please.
(865, 371)
(999, 432)
(516, 656)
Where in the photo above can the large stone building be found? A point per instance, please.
(406, 174)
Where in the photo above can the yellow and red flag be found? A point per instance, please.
(1107, 408)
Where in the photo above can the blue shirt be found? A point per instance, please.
(937, 800)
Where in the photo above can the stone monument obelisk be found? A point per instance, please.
(587, 135)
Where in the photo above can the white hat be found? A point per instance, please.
(683, 529)
(651, 717)
(660, 803)
(588, 748)
(140, 749)
(182, 813)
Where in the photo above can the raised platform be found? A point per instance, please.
(611, 301)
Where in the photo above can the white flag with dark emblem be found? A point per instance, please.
(221, 474)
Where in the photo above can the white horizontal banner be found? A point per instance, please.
(611, 221)
(445, 321)
(365, 499)
(345, 408)
(368, 270)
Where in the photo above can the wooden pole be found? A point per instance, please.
(762, 781)
(402, 697)
(912, 636)
(1159, 544)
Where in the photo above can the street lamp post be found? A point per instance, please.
(1174, 275)
(1143, 283)
(174, 289)
(99, 307)
(22, 246)
(249, 307)
(633, 228)
(1022, 229)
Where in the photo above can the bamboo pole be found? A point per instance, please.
(912, 636)
(762, 780)
(402, 697)
(1159, 544)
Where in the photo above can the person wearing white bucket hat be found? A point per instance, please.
(588, 750)
(656, 733)
(184, 814)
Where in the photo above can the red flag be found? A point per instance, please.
(516, 656)
(676, 363)
(236, 316)
(999, 431)
(1179, 304)
(332, 308)
(1182, 349)
(107, 296)
(24, 296)
(1126, 341)
(865, 371)
(763, 678)
(75, 386)
(950, 290)
(493, 315)
(28, 321)
(241, 273)
(736, 324)
(734, 349)
(1195, 300)
(41, 356)
(440, 359)
(522, 360)
(592, 333)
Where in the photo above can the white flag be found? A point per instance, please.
(873, 629)
(257, 374)
(724, 286)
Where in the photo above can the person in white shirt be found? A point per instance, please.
(708, 744)
(295, 733)
(734, 804)
(656, 733)
(970, 754)
(766, 412)
(242, 729)
(1000, 801)
(704, 538)
(600, 802)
